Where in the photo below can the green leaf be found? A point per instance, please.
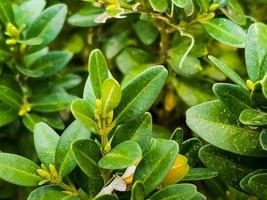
(231, 167)
(106, 197)
(22, 14)
(178, 135)
(39, 192)
(138, 130)
(146, 32)
(263, 139)
(234, 11)
(45, 142)
(88, 93)
(140, 93)
(244, 183)
(159, 5)
(258, 184)
(234, 98)
(6, 13)
(253, 117)
(180, 3)
(8, 114)
(256, 51)
(50, 63)
(196, 174)
(189, 149)
(204, 4)
(98, 71)
(18, 170)
(87, 154)
(257, 96)
(32, 41)
(229, 72)
(138, 191)
(226, 31)
(10, 93)
(58, 195)
(155, 165)
(182, 191)
(52, 102)
(48, 25)
(65, 160)
(110, 95)
(83, 113)
(212, 117)
(67, 81)
(124, 155)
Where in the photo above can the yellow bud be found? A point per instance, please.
(110, 118)
(107, 147)
(250, 85)
(214, 7)
(11, 42)
(25, 108)
(42, 182)
(178, 171)
(43, 174)
(170, 101)
(98, 106)
(53, 170)
(12, 31)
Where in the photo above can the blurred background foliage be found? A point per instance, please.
(131, 45)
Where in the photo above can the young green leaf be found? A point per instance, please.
(40, 191)
(233, 10)
(98, 71)
(189, 149)
(140, 94)
(252, 117)
(52, 102)
(196, 174)
(212, 117)
(18, 170)
(256, 51)
(88, 93)
(231, 167)
(159, 5)
(51, 63)
(83, 113)
(124, 155)
(87, 155)
(110, 95)
(6, 12)
(59, 195)
(48, 25)
(180, 3)
(183, 191)
(45, 142)
(204, 4)
(234, 98)
(138, 130)
(226, 31)
(156, 164)
(228, 72)
(258, 184)
(263, 139)
(244, 182)
(138, 191)
(178, 135)
(65, 160)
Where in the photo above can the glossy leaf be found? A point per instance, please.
(189, 149)
(98, 71)
(183, 191)
(140, 94)
(18, 170)
(234, 98)
(6, 13)
(83, 113)
(263, 139)
(138, 191)
(234, 11)
(138, 130)
(212, 118)
(231, 167)
(253, 117)
(45, 142)
(156, 164)
(258, 184)
(196, 174)
(256, 51)
(65, 160)
(226, 31)
(124, 155)
(110, 95)
(229, 72)
(159, 5)
(58, 195)
(52, 102)
(40, 191)
(180, 3)
(48, 25)
(178, 135)
(87, 155)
